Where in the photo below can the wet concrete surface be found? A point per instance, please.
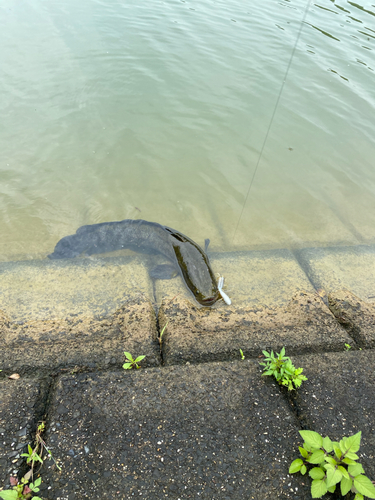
(341, 268)
(80, 342)
(59, 289)
(357, 316)
(304, 325)
(257, 278)
(195, 421)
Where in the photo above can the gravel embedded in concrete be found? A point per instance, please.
(20, 408)
(210, 431)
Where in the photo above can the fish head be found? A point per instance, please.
(208, 301)
(197, 273)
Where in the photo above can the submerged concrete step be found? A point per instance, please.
(86, 312)
(338, 268)
(68, 288)
(273, 305)
(267, 278)
(347, 276)
(211, 431)
(69, 313)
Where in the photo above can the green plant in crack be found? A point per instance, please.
(32, 456)
(35, 455)
(331, 463)
(282, 368)
(41, 445)
(21, 490)
(161, 334)
(131, 363)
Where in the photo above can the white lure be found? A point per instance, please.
(224, 296)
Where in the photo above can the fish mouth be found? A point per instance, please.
(209, 301)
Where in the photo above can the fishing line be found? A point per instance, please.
(274, 112)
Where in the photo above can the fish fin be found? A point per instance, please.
(206, 243)
(225, 297)
(163, 272)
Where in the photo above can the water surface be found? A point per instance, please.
(160, 110)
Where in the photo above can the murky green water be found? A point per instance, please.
(160, 110)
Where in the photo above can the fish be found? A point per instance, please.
(186, 257)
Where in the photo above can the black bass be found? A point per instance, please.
(186, 256)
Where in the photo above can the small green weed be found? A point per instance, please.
(21, 490)
(347, 347)
(242, 356)
(132, 363)
(31, 456)
(162, 333)
(281, 367)
(333, 463)
(36, 454)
